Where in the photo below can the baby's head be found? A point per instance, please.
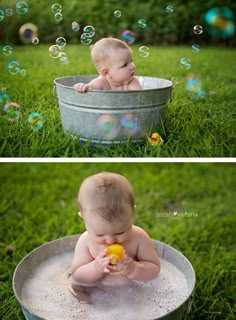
(106, 202)
(103, 50)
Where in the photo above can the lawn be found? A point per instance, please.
(38, 204)
(193, 127)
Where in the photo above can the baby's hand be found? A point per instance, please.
(124, 267)
(102, 262)
(81, 87)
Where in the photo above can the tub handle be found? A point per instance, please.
(54, 92)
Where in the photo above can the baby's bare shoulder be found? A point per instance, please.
(135, 84)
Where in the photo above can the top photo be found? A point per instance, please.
(112, 79)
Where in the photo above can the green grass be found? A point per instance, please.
(38, 204)
(192, 127)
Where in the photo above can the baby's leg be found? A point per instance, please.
(81, 291)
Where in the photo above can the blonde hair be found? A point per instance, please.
(111, 194)
(100, 52)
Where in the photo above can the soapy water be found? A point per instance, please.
(45, 293)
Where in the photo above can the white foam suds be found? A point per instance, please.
(46, 294)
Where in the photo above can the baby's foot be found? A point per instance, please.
(80, 293)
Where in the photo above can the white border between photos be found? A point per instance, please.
(89, 160)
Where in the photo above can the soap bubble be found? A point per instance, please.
(27, 32)
(85, 39)
(7, 50)
(61, 42)
(193, 85)
(35, 40)
(143, 51)
(54, 51)
(23, 72)
(170, 9)
(12, 111)
(129, 123)
(89, 30)
(4, 99)
(13, 67)
(22, 7)
(128, 36)
(9, 12)
(63, 58)
(185, 63)
(75, 26)
(142, 23)
(56, 8)
(107, 126)
(198, 29)
(220, 22)
(195, 48)
(36, 121)
(58, 16)
(117, 13)
(2, 15)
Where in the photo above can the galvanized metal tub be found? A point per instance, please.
(108, 116)
(24, 272)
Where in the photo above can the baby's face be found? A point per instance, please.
(121, 69)
(103, 232)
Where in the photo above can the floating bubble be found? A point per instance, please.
(58, 16)
(4, 89)
(12, 111)
(27, 32)
(129, 122)
(107, 126)
(143, 51)
(54, 51)
(22, 7)
(4, 99)
(170, 9)
(35, 40)
(56, 8)
(9, 12)
(23, 72)
(63, 58)
(75, 26)
(128, 36)
(2, 15)
(117, 13)
(7, 50)
(85, 39)
(142, 23)
(198, 29)
(89, 30)
(61, 42)
(185, 63)
(193, 85)
(220, 22)
(195, 48)
(13, 67)
(36, 121)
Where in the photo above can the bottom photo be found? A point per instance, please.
(116, 241)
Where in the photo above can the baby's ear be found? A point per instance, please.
(103, 72)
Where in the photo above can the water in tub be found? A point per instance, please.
(46, 294)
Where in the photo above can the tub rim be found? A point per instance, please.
(112, 91)
(187, 301)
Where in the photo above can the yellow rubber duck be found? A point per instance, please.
(116, 251)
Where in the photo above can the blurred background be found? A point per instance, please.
(152, 22)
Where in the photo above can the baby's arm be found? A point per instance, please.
(86, 269)
(146, 267)
(96, 84)
(135, 85)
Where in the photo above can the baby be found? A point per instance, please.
(106, 202)
(113, 60)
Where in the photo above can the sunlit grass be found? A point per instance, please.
(193, 127)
